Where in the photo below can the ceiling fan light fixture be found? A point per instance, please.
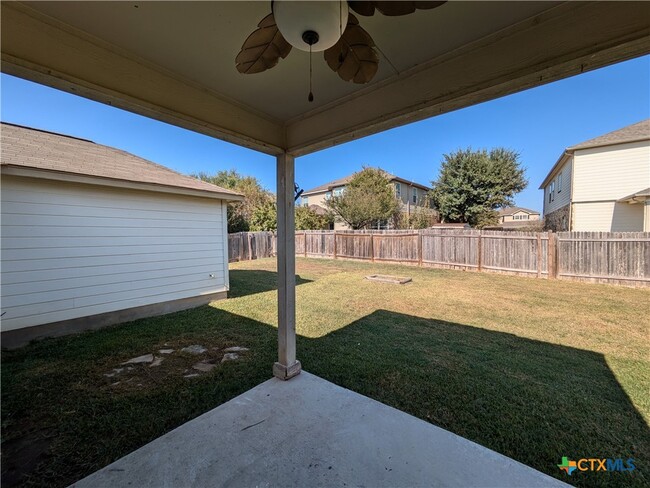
(298, 21)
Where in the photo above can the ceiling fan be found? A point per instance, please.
(315, 26)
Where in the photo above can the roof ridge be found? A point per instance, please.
(36, 129)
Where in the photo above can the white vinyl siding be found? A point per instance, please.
(607, 217)
(612, 172)
(562, 195)
(72, 250)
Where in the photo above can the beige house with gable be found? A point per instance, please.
(512, 217)
(602, 184)
(412, 195)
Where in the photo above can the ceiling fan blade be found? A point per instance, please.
(263, 48)
(391, 9)
(353, 57)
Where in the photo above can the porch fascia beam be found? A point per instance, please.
(42, 49)
(566, 40)
(287, 365)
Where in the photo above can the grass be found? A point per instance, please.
(533, 369)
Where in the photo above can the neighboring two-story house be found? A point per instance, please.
(602, 184)
(412, 195)
(517, 217)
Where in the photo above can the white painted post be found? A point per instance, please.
(287, 365)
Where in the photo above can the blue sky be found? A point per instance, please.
(538, 123)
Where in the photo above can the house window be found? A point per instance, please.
(559, 182)
(338, 192)
(378, 225)
(415, 196)
(398, 189)
(551, 192)
(305, 201)
(328, 195)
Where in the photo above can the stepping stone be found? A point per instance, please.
(114, 372)
(204, 367)
(230, 356)
(166, 351)
(156, 362)
(147, 358)
(195, 349)
(236, 349)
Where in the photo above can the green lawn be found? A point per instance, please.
(533, 369)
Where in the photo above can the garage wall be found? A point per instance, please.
(71, 250)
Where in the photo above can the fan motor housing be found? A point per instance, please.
(298, 21)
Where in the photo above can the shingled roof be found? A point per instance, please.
(631, 133)
(27, 148)
(635, 132)
(514, 210)
(345, 180)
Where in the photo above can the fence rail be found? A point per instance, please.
(602, 257)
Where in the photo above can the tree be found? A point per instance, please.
(255, 195)
(265, 217)
(308, 219)
(367, 198)
(472, 185)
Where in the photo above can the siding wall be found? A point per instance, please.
(71, 250)
(563, 193)
(611, 173)
(607, 217)
(604, 175)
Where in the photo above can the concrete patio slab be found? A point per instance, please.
(308, 432)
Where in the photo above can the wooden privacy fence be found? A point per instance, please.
(244, 246)
(604, 257)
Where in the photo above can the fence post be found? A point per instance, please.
(479, 252)
(539, 255)
(334, 244)
(372, 246)
(304, 245)
(420, 247)
(551, 260)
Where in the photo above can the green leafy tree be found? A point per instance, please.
(367, 198)
(308, 219)
(255, 195)
(472, 185)
(265, 217)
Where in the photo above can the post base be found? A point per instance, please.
(286, 372)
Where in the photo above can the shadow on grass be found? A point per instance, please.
(249, 282)
(530, 400)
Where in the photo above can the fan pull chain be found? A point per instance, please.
(310, 98)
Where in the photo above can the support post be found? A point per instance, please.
(287, 366)
(334, 245)
(420, 247)
(372, 246)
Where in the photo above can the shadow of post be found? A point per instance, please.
(530, 400)
(245, 282)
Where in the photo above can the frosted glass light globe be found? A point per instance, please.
(327, 19)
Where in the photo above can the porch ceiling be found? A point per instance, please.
(174, 61)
